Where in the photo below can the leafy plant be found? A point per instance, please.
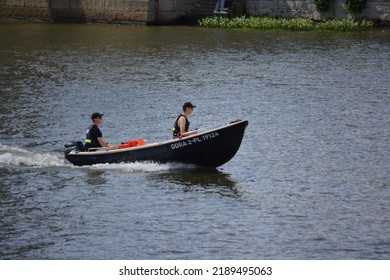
(297, 24)
(354, 5)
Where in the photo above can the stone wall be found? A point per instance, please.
(80, 10)
(375, 9)
(169, 11)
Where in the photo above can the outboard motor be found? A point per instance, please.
(75, 145)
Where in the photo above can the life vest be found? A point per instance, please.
(176, 128)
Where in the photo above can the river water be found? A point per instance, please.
(310, 181)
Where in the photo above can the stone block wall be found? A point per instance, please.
(375, 9)
(169, 11)
(80, 10)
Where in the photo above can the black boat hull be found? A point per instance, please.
(209, 148)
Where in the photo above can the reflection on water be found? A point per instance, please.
(202, 180)
(95, 177)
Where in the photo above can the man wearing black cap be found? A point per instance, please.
(94, 137)
(181, 126)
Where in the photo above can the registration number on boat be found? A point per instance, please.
(194, 140)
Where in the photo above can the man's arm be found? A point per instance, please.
(182, 125)
(102, 142)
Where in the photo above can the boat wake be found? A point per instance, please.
(136, 167)
(14, 156)
(17, 156)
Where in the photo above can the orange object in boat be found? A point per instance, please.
(128, 144)
(132, 143)
(141, 142)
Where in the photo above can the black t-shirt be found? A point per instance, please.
(93, 133)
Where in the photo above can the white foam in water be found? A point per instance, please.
(17, 156)
(137, 166)
(131, 167)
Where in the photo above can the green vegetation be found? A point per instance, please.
(297, 24)
(349, 5)
(354, 5)
(322, 5)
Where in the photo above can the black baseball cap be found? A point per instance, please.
(188, 105)
(96, 115)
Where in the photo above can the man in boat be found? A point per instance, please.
(182, 125)
(94, 137)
